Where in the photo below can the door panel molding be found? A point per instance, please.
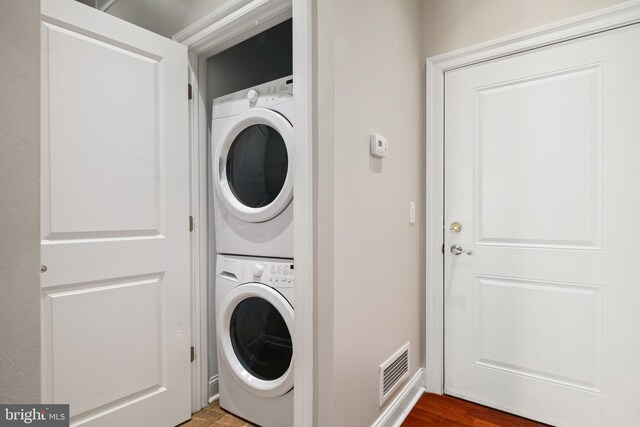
(539, 148)
(556, 297)
(621, 15)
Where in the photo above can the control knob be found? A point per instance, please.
(253, 95)
(257, 269)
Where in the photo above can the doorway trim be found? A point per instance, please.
(229, 25)
(621, 15)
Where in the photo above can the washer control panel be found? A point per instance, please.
(276, 274)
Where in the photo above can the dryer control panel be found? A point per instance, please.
(276, 274)
(275, 91)
(265, 95)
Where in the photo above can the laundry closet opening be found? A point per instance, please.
(264, 57)
(249, 104)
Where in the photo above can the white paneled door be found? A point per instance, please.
(542, 174)
(115, 242)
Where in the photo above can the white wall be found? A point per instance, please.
(369, 267)
(454, 24)
(20, 201)
(165, 17)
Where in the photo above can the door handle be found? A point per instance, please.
(457, 250)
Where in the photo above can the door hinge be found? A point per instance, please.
(193, 353)
(190, 91)
(190, 224)
(443, 248)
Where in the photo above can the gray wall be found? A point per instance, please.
(262, 58)
(20, 201)
(369, 258)
(454, 24)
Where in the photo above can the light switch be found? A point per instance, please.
(412, 212)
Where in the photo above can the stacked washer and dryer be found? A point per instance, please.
(252, 148)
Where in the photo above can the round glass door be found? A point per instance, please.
(260, 339)
(252, 168)
(255, 323)
(257, 166)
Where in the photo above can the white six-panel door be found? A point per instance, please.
(542, 153)
(115, 197)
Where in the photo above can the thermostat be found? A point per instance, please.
(379, 145)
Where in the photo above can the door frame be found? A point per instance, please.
(617, 16)
(233, 23)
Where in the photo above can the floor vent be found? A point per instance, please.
(393, 371)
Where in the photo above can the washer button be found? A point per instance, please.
(257, 269)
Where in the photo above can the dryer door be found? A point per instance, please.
(251, 168)
(256, 323)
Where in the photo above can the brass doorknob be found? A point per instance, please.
(456, 227)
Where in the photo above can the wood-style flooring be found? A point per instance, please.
(214, 416)
(431, 411)
(447, 411)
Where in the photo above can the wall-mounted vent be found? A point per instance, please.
(393, 371)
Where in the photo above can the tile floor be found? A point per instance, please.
(214, 416)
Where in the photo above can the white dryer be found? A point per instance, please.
(254, 330)
(252, 161)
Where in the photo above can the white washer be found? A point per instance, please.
(254, 330)
(252, 161)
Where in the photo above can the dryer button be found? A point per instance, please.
(253, 95)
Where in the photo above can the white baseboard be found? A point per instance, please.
(213, 388)
(400, 407)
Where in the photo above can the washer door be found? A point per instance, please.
(256, 323)
(251, 168)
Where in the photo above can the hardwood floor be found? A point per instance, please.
(431, 410)
(214, 416)
(447, 411)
